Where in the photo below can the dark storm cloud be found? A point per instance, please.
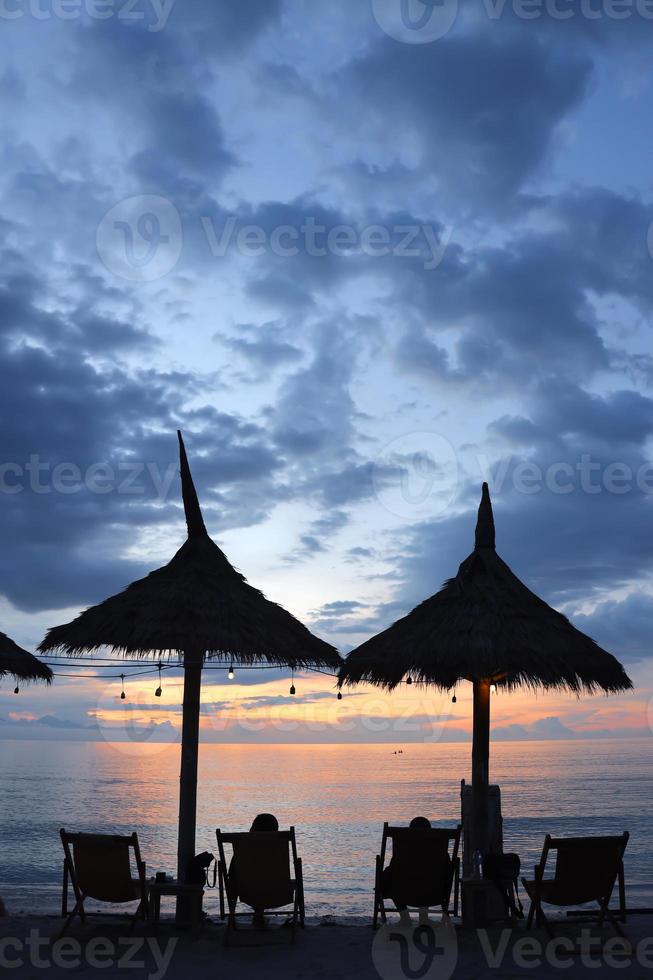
(225, 28)
(524, 310)
(565, 548)
(263, 347)
(483, 108)
(313, 415)
(316, 539)
(88, 449)
(160, 92)
(572, 487)
(625, 627)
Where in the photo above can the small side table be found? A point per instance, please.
(194, 894)
(482, 902)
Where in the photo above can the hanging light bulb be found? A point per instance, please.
(292, 683)
(231, 673)
(493, 689)
(454, 699)
(409, 679)
(339, 695)
(123, 696)
(159, 690)
(16, 690)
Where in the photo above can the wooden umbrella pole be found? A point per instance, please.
(189, 755)
(481, 767)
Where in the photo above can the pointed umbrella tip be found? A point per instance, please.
(194, 520)
(485, 523)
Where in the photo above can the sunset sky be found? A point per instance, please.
(364, 269)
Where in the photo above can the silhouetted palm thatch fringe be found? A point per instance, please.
(196, 602)
(485, 624)
(19, 664)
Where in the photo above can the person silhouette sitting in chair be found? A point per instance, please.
(263, 823)
(413, 872)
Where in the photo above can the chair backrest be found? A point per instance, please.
(586, 867)
(421, 863)
(262, 869)
(102, 865)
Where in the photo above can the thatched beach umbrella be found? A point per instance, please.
(200, 607)
(21, 665)
(487, 627)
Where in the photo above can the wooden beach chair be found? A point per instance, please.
(424, 870)
(101, 867)
(586, 870)
(265, 873)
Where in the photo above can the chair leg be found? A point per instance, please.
(542, 920)
(77, 910)
(533, 905)
(622, 893)
(607, 914)
(231, 924)
(295, 917)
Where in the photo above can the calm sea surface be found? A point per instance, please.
(337, 796)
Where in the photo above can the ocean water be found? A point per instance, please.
(337, 796)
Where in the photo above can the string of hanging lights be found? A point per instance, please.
(72, 667)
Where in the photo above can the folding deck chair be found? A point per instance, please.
(586, 870)
(265, 873)
(99, 867)
(423, 872)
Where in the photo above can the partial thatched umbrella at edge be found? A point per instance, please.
(487, 627)
(199, 606)
(19, 664)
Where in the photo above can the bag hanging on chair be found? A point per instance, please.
(503, 870)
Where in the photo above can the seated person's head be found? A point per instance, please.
(420, 823)
(265, 822)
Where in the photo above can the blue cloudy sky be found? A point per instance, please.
(366, 255)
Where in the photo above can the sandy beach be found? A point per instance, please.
(329, 949)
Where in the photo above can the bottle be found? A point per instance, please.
(477, 864)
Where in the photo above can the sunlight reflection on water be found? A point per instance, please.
(337, 796)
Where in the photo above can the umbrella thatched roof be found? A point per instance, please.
(485, 624)
(196, 602)
(20, 664)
